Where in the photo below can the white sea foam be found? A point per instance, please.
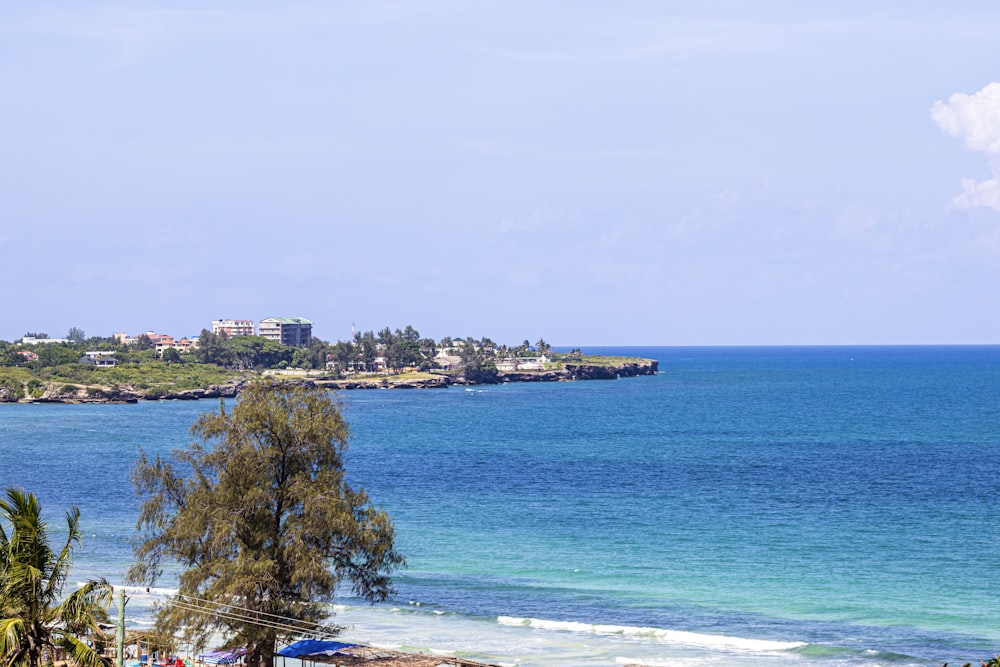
(640, 661)
(660, 634)
(145, 591)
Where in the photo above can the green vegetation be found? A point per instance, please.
(150, 379)
(33, 622)
(561, 360)
(12, 382)
(161, 374)
(262, 521)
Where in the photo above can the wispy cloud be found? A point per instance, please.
(507, 150)
(97, 23)
(975, 119)
(538, 221)
(131, 30)
(668, 38)
(683, 36)
(522, 151)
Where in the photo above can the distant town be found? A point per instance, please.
(220, 361)
(294, 331)
(279, 343)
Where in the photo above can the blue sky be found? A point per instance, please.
(670, 173)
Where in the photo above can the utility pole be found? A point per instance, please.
(120, 637)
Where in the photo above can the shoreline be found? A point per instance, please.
(61, 393)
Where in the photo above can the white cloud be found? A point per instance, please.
(985, 193)
(975, 119)
(856, 221)
(538, 221)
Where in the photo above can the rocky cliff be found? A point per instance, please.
(64, 393)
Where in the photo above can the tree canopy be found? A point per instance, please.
(33, 620)
(259, 515)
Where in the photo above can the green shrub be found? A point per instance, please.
(11, 389)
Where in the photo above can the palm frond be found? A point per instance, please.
(32, 576)
(27, 553)
(4, 546)
(82, 655)
(12, 648)
(60, 565)
(80, 611)
(15, 659)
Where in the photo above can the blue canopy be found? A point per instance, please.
(311, 647)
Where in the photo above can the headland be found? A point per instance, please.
(182, 383)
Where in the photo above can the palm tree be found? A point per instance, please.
(33, 623)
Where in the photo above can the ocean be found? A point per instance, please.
(822, 506)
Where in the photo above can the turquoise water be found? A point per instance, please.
(757, 506)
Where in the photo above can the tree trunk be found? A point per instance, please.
(252, 658)
(267, 655)
(260, 655)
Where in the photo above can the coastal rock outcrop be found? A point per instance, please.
(74, 393)
(573, 372)
(630, 369)
(227, 390)
(69, 393)
(8, 394)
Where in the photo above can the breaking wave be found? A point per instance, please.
(660, 634)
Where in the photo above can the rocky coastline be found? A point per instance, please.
(62, 393)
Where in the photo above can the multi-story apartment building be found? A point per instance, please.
(286, 330)
(232, 327)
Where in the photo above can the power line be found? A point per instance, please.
(285, 624)
(230, 612)
(201, 601)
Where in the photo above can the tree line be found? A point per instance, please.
(366, 352)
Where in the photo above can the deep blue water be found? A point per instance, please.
(844, 498)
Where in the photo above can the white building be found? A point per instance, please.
(232, 327)
(286, 330)
(522, 363)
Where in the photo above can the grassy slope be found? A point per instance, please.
(152, 377)
(561, 360)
